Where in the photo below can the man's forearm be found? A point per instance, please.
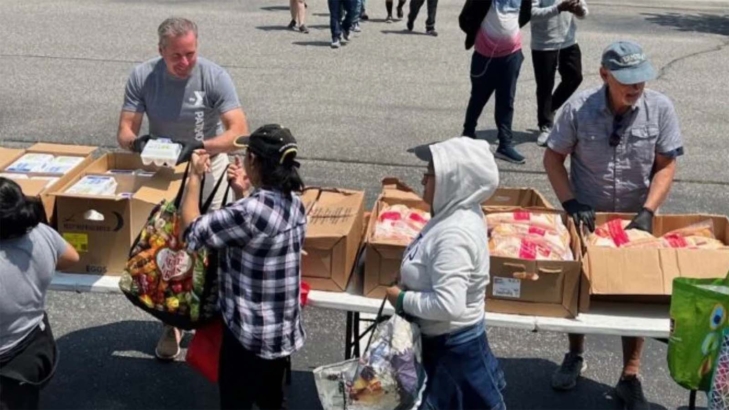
(558, 177)
(222, 143)
(190, 201)
(660, 186)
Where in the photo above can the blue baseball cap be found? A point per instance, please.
(627, 62)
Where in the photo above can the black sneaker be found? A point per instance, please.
(431, 32)
(400, 14)
(304, 29)
(410, 25)
(630, 391)
(364, 16)
(292, 25)
(565, 378)
(389, 19)
(508, 153)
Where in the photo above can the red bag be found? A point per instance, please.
(203, 354)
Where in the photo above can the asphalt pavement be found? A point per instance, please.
(355, 111)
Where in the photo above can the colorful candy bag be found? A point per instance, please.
(176, 286)
(390, 375)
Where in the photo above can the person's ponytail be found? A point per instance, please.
(18, 214)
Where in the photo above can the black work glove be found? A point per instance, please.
(642, 221)
(187, 149)
(581, 213)
(140, 142)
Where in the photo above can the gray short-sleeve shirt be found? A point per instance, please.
(615, 179)
(182, 109)
(27, 265)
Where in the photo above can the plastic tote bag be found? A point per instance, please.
(719, 394)
(390, 374)
(698, 319)
(165, 280)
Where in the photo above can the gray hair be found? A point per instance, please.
(175, 27)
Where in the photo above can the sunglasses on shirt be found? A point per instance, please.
(615, 137)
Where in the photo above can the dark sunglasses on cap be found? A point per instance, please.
(615, 137)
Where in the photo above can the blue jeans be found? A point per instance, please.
(462, 372)
(335, 17)
(489, 75)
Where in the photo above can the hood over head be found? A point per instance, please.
(465, 173)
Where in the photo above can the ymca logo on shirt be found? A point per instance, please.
(199, 99)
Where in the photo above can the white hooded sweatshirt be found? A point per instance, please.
(445, 270)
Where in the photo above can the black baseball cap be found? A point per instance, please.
(271, 141)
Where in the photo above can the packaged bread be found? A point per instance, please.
(559, 241)
(527, 248)
(703, 228)
(400, 223)
(545, 221)
(613, 234)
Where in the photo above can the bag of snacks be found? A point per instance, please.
(163, 278)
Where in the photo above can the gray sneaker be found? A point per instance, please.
(630, 391)
(565, 378)
(168, 347)
(543, 135)
(336, 43)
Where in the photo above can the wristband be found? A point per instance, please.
(399, 305)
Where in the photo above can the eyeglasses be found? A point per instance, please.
(615, 137)
(428, 174)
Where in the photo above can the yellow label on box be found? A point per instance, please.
(79, 241)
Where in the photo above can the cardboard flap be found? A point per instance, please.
(394, 188)
(32, 187)
(625, 271)
(8, 155)
(62, 149)
(699, 264)
(165, 184)
(521, 197)
(334, 213)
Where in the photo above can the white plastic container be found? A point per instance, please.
(61, 164)
(30, 163)
(95, 185)
(161, 152)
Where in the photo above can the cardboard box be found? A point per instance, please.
(333, 236)
(383, 258)
(42, 189)
(554, 293)
(518, 197)
(102, 229)
(641, 274)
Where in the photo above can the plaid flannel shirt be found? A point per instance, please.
(259, 240)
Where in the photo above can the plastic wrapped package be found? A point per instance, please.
(400, 223)
(613, 234)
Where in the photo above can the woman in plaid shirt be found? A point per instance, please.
(259, 239)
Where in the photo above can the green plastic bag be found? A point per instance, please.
(698, 319)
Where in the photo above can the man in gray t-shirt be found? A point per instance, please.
(623, 141)
(190, 100)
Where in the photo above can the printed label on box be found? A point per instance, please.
(79, 241)
(507, 287)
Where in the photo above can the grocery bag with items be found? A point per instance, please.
(614, 235)
(163, 278)
(390, 374)
(529, 235)
(698, 318)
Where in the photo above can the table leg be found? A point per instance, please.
(356, 334)
(349, 337)
(692, 400)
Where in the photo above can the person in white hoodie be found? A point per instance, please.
(444, 274)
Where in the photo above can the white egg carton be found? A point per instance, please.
(30, 163)
(96, 185)
(161, 152)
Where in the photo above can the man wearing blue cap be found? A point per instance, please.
(623, 141)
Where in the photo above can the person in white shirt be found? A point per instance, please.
(444, 274)
(554, 47)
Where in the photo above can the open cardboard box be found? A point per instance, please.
(383, 258)
(644, 274)
(333, 236)
(42, 189)
(555, 292)
(520, 197)
(103, 228)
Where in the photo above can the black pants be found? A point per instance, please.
(27, 369)
(489, 75)
(415, 6)
(546, 63)
(245, 379)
